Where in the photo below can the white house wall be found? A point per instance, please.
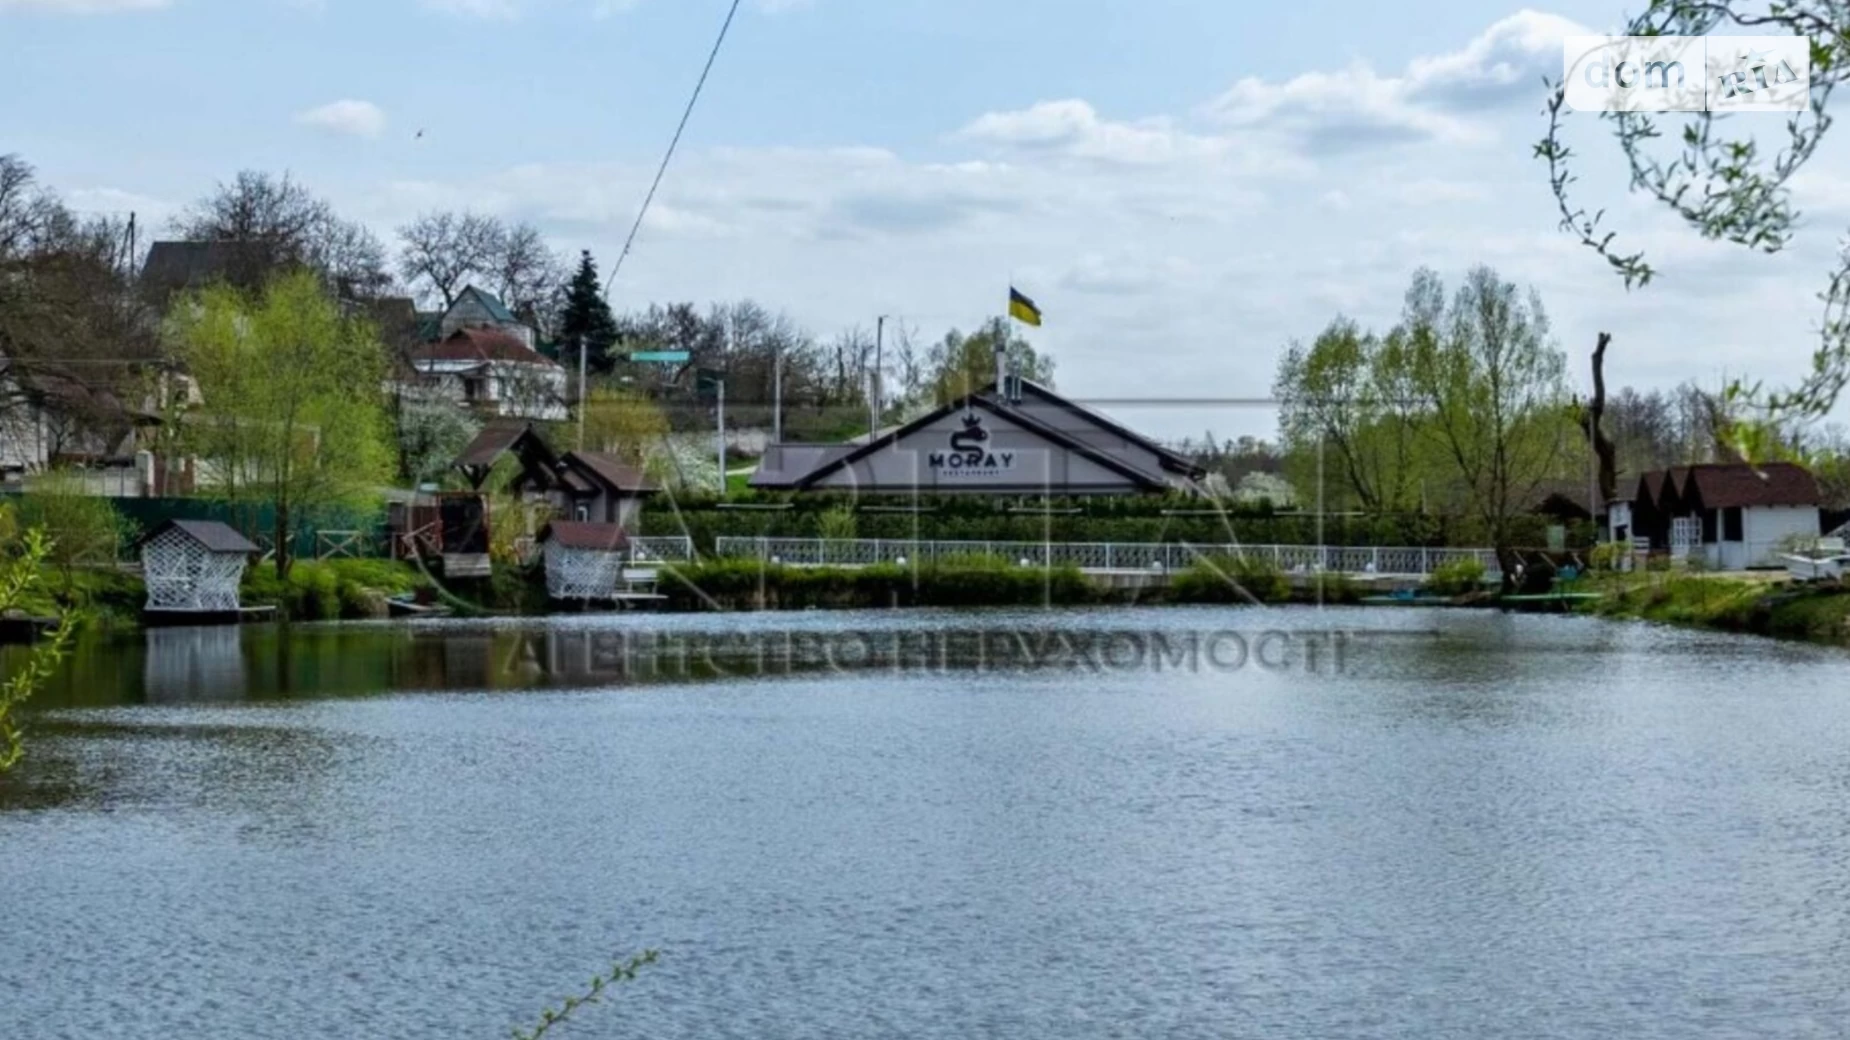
(1010, 460)
(1769, 528)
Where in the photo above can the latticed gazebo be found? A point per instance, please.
(194, 567)
(585, 561)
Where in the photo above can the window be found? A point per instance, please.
(583, 512)
(1734, 528)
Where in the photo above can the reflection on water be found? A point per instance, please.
(937, 825)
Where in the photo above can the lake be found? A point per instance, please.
(1115, 823)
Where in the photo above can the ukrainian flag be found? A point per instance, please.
(1023, 309)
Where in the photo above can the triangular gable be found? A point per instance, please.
(1171, 459)
(955, 449)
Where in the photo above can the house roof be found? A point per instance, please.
(579, 535)
(174, 267)
(612, 471)
(494, 439)
(489, 301)
(212, 535)
(1171, 459)
(1118, 464)
(481, 345)
(1731, 485)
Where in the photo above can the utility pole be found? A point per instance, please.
(722, 436)
(777, 393)
(873, 381)
(582, 349)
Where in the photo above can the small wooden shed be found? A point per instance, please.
(194, 568)
(586, 561)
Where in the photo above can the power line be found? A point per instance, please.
(673, 144)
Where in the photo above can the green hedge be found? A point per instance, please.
(971, 582)
(328, 590)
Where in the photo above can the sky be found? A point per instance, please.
(1184, 187)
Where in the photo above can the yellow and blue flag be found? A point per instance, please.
(1023, 309)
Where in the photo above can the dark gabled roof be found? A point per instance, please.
(1732, 485)
(611, 471)
(494, 439)
(785, 464)
(1171, 459)
(174, 267)
(579, 535)
(212, 535)
(489, 301)
(1122, 467)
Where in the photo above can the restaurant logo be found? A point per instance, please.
(970, 452)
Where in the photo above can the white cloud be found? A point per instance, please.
(1073, 127)
(81, 6)
(1437, 99)
(1195, 244)
(353, 118)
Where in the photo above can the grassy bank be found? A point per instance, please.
(1818, 613)
(330, 590)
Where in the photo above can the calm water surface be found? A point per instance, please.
(917, 825)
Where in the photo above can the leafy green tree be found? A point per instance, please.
(961, 364)
(1494, 386)
(294, 412)
(22, 559)
(587, 322)
(627, 425)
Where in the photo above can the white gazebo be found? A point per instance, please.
(193, 569)
(588, 562)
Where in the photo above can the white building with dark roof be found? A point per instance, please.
(1027, 441)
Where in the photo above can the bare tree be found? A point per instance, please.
(290, 227)
(523, 268)
(441, 251)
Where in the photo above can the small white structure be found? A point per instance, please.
(194, 567)
(587, 562)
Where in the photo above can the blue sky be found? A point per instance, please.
(1184, 186)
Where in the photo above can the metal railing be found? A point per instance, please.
(670, 549)
(1102, 556)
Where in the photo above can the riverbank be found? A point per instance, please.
(350, 589)
(1774, 607)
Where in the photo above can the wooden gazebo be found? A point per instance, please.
(193, 569)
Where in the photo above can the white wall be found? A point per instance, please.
(1766, 527)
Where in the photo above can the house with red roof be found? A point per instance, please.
(484, 358)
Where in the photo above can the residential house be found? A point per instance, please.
(477, 353)
(579, 486)
(54, 418)
(1732, 516)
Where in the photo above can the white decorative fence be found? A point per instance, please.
(1102, 556)
(663, 550)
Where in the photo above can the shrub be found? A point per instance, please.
(837, 524)
(1231, 579)
(84, 528)
(1457, 578)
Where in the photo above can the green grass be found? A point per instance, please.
(1815, 613)
(329, 590)
(737, 584)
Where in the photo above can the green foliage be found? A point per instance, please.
(961, 364)
(330, 589)
(1607, 555)
(21, 572)
(595, 991)
(1456, 578)
(738, 584)
(430, 436)
(294, 411)
(837, 524)
(587, 320)
(84, 528)
(1231, 579)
